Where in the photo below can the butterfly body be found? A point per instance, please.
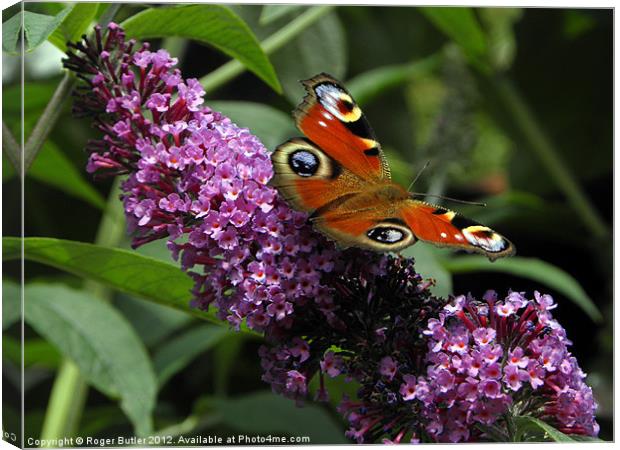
(340, 176)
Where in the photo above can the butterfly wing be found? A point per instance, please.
(309, 179)
(386, 220)
(368, 220)
(331, 119)
(446, 228)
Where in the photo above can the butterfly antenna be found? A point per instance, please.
(418, 175)
(450, 199)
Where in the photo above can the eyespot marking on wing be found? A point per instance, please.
(303, 163)
(390, 234)
(386, 235)
(303, 159)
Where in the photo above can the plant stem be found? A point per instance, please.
(539, 142)
(47, 120)
(62, 415)
(234, 68)
(11, 148)
(70, 389)
(52, 111)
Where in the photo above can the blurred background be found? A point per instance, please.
(512, 107)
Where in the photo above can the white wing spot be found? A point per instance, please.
(323, 124)
(444, 235)
(492, 243)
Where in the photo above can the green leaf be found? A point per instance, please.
(368, 85)
(53, 168)
(320, 48)
(123, 270)
(508, 205)
(37, 352)
(8, 171)
(271, 13)
(100, 342)
(499, 23)
(533, 269)
(37, 28)
(178, 352)
(264, 412)
(581, 438)
(532, 425)
(216, 25)
(577, 23)
(460, 24)
(10, 33)
(11, 303)
(226, 354)
(74, 25)
(270, 125)
(427, 264)
(156, 249)
(337, 387)
(37, 95)
(152, 322)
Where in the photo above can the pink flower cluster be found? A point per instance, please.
(488, 358)
(199, 180)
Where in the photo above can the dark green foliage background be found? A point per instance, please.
(434, 91)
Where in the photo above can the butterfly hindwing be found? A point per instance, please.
(387, 219)
(331, 119)
(370, 219)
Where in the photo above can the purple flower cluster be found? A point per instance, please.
(488, 358)
(485, 363)
(202, 182)
(376, 313)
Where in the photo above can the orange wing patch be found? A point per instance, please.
(331, 119)
(442, 227)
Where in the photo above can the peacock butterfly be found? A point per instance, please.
(339, 174)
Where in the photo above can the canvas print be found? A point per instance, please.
(302, 224)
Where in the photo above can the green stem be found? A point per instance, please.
(52, 111)
(176, 46)
(234, 68)
(11, 148)
(549, 156)
(70, 389)
(47, 120)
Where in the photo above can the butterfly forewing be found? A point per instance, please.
(331, 119)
